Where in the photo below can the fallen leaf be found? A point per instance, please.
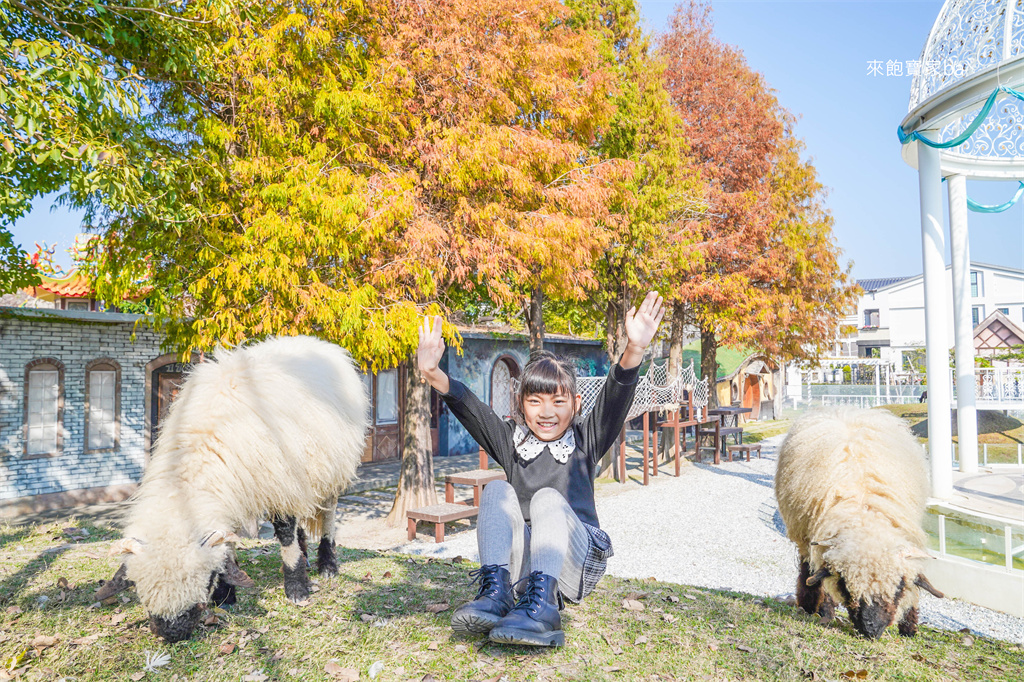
(368, 577)
(227, 648)
(387, 574)
(918, 657)
(433, 646)
(437, 608)
(640, 640)
(636, 595)
(461, 648)
(856, 674)
(672, 598)
(691, 597)
(743, 647)
(334, 669)
(304, 602)
(256, 676)
(617, 650)
(632, 605)
(117, 618)
(713, 646)
(62, 583)
(135, 677)
(43, 641)
(90, 555)
(967, 641)
(294, 672)
(212, 619)
(13, 610)
(86, 641)
(428, 678)
(365, 617)
(669, 618)
(611, 668)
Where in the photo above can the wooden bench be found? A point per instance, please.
(477, 478)
(745, 448)
(718, 433)
(439, 514)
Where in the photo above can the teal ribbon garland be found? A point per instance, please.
(971, 129)
(981, 208)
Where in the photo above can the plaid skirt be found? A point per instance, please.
(585, 562)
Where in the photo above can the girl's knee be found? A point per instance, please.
(546, 499)
(496, 491)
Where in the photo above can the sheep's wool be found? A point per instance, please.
(276, 426)
(854, 482)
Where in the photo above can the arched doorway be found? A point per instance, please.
(502, 385)
(164, 376)
(752, 394)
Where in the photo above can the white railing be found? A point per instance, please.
(862, 400)
(996, 386)
(983, 452)
(995, 526)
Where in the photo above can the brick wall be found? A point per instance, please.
(74, 339)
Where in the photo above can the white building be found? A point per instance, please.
(889, 321)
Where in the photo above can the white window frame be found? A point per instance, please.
(43, 412)
(102, 412)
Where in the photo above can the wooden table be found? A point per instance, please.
(727, 411)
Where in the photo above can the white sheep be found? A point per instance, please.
(852, 485)
(277, 427)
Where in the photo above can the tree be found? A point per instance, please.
(75, 76)
(762, 267)
(361, 165)
(652, 185)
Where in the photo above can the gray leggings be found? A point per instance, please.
(557, 545)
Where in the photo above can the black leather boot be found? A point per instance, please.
(534, 620)
(492, 602)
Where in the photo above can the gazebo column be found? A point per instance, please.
(966, 410)
(940, 428)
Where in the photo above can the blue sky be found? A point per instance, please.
(815, 55)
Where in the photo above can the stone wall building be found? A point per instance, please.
(76, 405)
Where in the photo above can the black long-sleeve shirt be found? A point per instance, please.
(575, 478)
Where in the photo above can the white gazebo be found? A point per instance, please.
(965, 120)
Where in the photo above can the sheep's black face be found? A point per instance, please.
(178, 627)
(872, 618)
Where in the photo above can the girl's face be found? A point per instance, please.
(548, 415)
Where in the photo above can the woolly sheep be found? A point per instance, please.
(277, 427)
(852, 487)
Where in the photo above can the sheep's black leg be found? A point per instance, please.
(908, 624)
(326, 561)
(296, 582)
(223, 592)
(807, 598)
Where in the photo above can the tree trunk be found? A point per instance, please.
(615, 328)
(535, 319)
(615, 336)
(416, 481)
(675, 346)
(709, 363)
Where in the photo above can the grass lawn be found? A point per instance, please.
(390, 613)
(1002, 433)
(754, 432)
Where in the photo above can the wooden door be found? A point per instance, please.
(167, 382)
(387, 412)
(752, 395)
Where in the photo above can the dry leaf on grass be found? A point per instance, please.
(226, 648)
(135, 677)
(748, 649)
(43, 641)
(387, 574)
(86, 641)
(611, 668)
(617, 650)
(90, 555)
(433, 646)
(632, 605)
(13, 610)
(856, 674)
(365, 617)
(428, 678)
(967, 641)
(437, 608)
(672, 598)
(640, 640)
(256, 676)
(334, 669)
(62, 583)
(116, 618)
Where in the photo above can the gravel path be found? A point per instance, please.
(719, 527)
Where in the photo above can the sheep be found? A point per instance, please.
(277, 427)
(852, 485)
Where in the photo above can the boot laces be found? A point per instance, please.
(488, 579)
(532, 597)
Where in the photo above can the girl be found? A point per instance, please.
(541, 526)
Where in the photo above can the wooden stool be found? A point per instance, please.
(745, 448)
(477, 478)
(439, 514)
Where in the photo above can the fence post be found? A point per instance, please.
(1008, 546)
(942, 533)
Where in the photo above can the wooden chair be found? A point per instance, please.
(710, 429)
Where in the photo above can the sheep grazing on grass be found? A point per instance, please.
(277, 427)
(852, 488)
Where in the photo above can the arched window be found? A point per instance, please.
(502, 394)
(44, 408)
(102, 405)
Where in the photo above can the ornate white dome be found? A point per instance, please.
(968, 37)
(974, 47)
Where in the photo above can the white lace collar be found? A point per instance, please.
(528, 446)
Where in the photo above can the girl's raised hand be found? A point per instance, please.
(642, 324)
(431, 348)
